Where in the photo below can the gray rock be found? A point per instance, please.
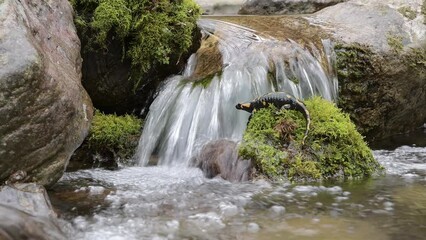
(26, 213)
(220, 158)
(371, 23)
(279, 7)
(381, 59)
(44, 111)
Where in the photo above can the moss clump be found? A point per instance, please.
(333, 149)
(353, 61)
(395, 43)
(150, 32)
(407, 12)
(114, 135)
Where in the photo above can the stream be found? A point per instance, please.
(161, 202)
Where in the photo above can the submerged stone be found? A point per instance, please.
(220, 158)
(26, 213)
(333, 149)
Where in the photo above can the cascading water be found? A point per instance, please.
(187, 114)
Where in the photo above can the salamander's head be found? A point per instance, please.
(248, 107)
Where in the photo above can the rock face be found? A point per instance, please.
(26, 213)
(278, 7)
(381, 63)
(44, 111)
(220, 158)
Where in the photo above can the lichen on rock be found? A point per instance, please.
(334, 149)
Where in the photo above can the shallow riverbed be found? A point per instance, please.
(179, 203)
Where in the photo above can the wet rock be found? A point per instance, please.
(220, 158)
(209, 60)
(78, 198)
(44, 111)
(381, 61)
(278, 7)
(26, 213)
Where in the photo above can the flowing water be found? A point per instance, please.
(161, 202)
(174, 201)
(185, 115)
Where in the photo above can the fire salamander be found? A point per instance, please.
(279, 100)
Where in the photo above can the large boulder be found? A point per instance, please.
(44, 111)
(26, 213)
(278, 7)
(381, 63)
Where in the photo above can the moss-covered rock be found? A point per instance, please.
(130, 46)
(112, 142)
(381, 90)
(333, 148)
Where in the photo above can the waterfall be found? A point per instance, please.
(186, 115)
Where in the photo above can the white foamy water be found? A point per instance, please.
(163, 202)
(185, 116)
(405, 161)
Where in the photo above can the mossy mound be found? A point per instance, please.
(111, 142)
(334, 149)
(150, 32)
(115, 137)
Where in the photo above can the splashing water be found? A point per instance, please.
(186, 115)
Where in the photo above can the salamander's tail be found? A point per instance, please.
(308, 124)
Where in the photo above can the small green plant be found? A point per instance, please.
(114, 134)
(333, 149)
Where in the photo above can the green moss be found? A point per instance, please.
(300, 168)
(150, 32)
(333, 149)
(204, 82)
(395, 43)
(407, 12)
(416, 58)
(114, 134)
(353, 61)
